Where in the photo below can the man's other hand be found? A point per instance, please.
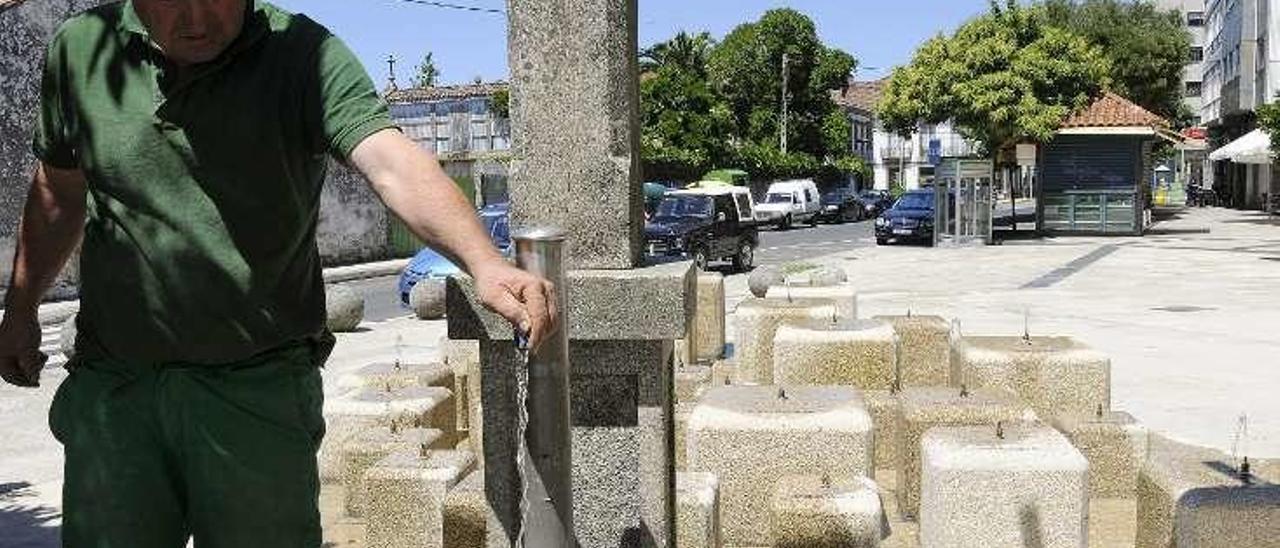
(525, 300)
(20, 356)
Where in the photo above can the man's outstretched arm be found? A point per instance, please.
(51, 227)
(411, 182)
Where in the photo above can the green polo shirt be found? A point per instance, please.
(204, 185)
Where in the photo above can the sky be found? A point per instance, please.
(471, 44)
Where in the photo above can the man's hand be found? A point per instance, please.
(525, 300)
(20, 356)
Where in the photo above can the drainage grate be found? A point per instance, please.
(1182, 308)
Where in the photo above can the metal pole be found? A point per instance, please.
(785, 85)
(547, 462)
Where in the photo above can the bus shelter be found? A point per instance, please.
(962, 202)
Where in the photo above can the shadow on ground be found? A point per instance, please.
(23, 525)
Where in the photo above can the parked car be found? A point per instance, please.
(840, 206)
(705, 224)
(790, 202)
(875, 202)
(429, 263)
(909, 220)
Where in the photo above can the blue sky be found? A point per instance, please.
(880, 33)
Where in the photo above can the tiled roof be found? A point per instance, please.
(859, 95)
(1111, 110)
(466, 91)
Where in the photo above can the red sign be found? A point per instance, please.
(1198, 133)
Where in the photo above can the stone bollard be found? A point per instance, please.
(843, 296)
(749, 436)
(365, 409)
(764, 277)
(406, 494)
(884, 407)
(463, 357)
(370, 446)
(709, 318)
(861, 354)
(924, 346)
(394, 376)
(427, 299)
(1007, 485)
(1056, 375)
(691, 381)
(697, 510)
(469, 521)
(756, 321)
(1115, 445)
(826, 512)
(344, 308)
(925, 408)
(1194, 496)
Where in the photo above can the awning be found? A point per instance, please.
(1253, 148)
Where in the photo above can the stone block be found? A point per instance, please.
(469, 521)
(427, 299)
(463, 357)
(925, 408)
(370, 446)
(843, 296)
(405, 493)
(1192, 496)
(924, 344)
(749, 436)
(1023, 486)
(691, 380)
(827, 512)
(709, 318)
(1115, 444)
(682, 413)
(1056, 375)
(884, 406)
(861, 354)
(822, 276)
(397, 375)
(344, 308)
(368, 408)
(724, 372)
(756, 321)
(697, 510)
(648, 303)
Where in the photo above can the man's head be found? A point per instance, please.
(192, 31)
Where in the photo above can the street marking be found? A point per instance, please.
(1065, 271)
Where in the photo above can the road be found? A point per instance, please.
(776, 247)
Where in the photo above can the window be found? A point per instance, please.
(1195, 19)
(1192, 89)
(1197, 54)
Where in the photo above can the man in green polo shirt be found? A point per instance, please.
(184, 143)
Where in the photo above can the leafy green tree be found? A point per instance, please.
(685, 52)
(684, 125)
(1001, 77)
(1147, 48)
(1269, 121)
(500, 103)
(427, 74)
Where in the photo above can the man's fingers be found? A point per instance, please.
(535, 307)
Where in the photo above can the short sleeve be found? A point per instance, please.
(350, 108)
(52, 141)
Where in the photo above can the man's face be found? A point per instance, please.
(192, 31)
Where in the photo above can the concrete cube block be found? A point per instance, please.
(709, 318)
(825, 512)
(397, 375)
(843, 296)
(924, 346)
(463, 357)
(1056, 375)
(756, 321)
(723, 372)
(469, 520)
(923, 408)
(370, 446)
(749, 436)
(691, 381)
(405, 494)
(1192, 496)
(1115, 444)
(884, 406)
(861, 354)
(368, 408)
(697, 510)
(1024, 486)
(682, 413)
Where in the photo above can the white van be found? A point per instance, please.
(790, 202)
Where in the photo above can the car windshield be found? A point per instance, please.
(870, 196)
(777, 198)
(685, 206)
(915, 200)
(834, 197)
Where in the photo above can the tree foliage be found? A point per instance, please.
(426, 74)
(1001, 77)
(1269, 121)
(500, 103)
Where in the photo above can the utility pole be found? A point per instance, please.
(785, 78)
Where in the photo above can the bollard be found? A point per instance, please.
(547, 518)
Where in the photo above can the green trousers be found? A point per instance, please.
(157, 454)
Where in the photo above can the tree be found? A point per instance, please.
(685, 52)
(1147, 48)
(1001, 77)
(427, 74)
(1269, 121)
(500, 103)
(684, 125)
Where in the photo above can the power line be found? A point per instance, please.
(461, 7)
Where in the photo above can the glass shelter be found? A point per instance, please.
(962, 202)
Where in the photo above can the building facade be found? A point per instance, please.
(1195, 92)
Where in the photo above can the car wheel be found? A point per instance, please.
(700, 259)
(813, 221)
(745, 259)
(785, 223)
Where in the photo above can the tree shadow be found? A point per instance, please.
(24, 525)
